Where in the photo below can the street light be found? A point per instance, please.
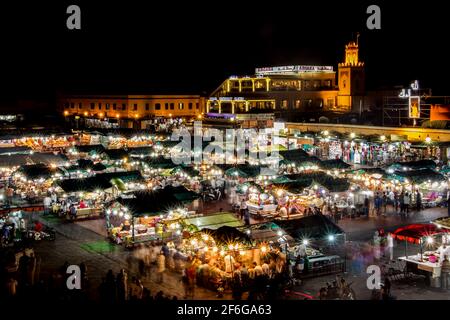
(428, 139)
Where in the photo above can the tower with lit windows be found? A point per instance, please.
(351, 80)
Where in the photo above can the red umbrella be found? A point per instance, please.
(414, 232)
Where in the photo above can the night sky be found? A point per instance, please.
(186, 46)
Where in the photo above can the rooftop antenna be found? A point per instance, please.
(357, 39)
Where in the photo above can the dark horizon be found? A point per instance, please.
(180, 47)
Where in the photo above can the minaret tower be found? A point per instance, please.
(351, 79)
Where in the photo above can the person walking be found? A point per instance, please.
(406, 202)
(161, 265)
(47, 204)
(445, 271)
(448, 206)
(418, 201)
(401, 199)
(390, 243)
(122, 286)
(366, 206)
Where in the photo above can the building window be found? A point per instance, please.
(114, 106)
(66, 105)
(172, 106)
(158, 106)
(124, 106)
(307, 84)
(328, 83)
(190, 105)
(147, 107)
(330, 102)
(92, 105)
(72, 105)
(135, 107)
(196, 105)
(166, 105)
(80, 105)
(107, 106)
(298, 104)
(284, 104)
(99, 106)
(181, 106)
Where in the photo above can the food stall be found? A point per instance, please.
(88, 195)
(218, 253)
(261, 204)
(429, 237)
(147, 216)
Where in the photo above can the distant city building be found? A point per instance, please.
(131, 110)
(296, 88)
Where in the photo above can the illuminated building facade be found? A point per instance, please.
(293, 88)
(130, 110)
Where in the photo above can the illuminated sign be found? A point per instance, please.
(407, 93)
(414, 107)
(292, 69)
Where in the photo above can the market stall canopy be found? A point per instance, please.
(167, 143)
(311, 227)
(214, 221)
(415, 232)
(116, 154)
(159, 162)
(370, 171)
(268, 232)
(153, 202)
(306, 179)
(15, 150)
(418, 176)
(98, 167)
(241, 170)
(140, 151)
(246, 186)
(35, 158)
(442, 222)
(333, 164)
(38, 171)
(226, 235)
(294, 155)
(125, 176)
(414, 165)
(182, 194)
(84, 184)
(191, 172)
(91, 149)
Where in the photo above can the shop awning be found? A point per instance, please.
(415, 232)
